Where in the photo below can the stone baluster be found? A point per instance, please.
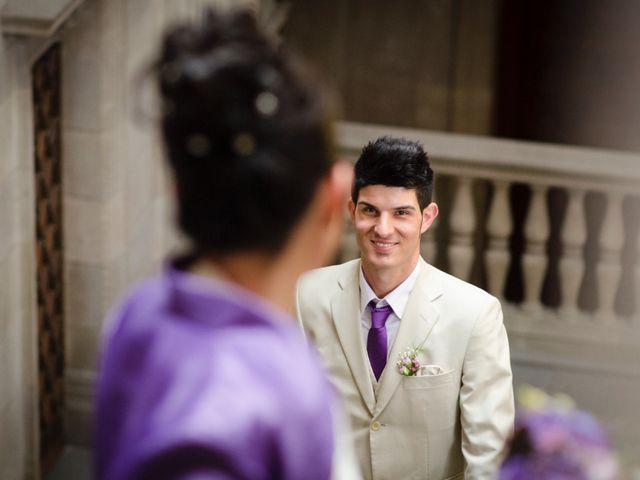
(636, 314)
(535, 260)
(463, 223)
(428, 244)
(609, 268)
(571, 265)
(499, 227)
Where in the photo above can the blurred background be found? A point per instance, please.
(529, 111)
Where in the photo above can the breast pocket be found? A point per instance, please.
(433, 399)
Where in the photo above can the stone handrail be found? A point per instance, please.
(512, 160)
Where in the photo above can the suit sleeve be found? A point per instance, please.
(486, 395)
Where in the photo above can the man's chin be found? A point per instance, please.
(380, 260)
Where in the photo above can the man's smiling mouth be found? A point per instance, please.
(383, 244)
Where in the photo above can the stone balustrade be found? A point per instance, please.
(499, 165)
(553, 231)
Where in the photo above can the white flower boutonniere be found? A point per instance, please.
(408, 363)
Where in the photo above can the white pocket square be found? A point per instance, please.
(431, 370)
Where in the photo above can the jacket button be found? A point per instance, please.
(375, 426)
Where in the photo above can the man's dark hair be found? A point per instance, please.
(245, 131)
(394, 162)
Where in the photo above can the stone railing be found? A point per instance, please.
(550, 230)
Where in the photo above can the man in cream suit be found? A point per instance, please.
(451, 417)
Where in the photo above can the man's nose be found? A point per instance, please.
(383, 227)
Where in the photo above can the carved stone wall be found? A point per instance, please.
(18, 353)
(569, 74)
(49, 253)
(118, 215)
(424, 64)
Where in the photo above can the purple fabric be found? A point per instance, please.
(377, 338)
(202, 380)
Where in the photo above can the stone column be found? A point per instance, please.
(18, 354)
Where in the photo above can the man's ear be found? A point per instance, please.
(429, 215)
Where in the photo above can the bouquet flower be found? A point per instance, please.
(554, 440)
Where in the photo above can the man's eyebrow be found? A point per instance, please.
(403, 207)
(366, 204)
(406, 207)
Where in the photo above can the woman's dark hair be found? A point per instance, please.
(246, 133)
(394, 162)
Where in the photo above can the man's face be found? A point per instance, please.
(388, 223)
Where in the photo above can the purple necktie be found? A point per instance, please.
(377, 339)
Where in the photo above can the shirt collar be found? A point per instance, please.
(396, 299)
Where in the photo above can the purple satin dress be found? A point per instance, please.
(200, 379)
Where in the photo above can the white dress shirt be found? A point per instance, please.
(396, 299)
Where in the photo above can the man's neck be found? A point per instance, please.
(384, 281)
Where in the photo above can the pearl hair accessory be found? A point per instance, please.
(196, 69)
(198, 145)
(244, 144)
(267, 104)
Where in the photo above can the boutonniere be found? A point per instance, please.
(408, 363)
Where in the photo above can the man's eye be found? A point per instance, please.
(402, 212)
(368, 210)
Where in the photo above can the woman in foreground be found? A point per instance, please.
(204, 375)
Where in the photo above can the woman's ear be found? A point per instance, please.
(341, 176)
(328, 210)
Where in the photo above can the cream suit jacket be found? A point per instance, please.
(442, 426)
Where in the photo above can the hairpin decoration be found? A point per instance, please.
(267, 104)
(196, 69)
(243, 144)
(198, 145)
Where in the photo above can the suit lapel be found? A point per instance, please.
(418, 320)
(345, 309)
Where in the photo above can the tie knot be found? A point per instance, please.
(379, 315)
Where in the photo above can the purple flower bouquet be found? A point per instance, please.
(555, 441)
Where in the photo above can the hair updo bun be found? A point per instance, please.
(245, 133)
